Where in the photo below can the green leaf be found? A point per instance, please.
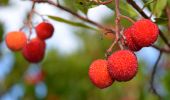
(79, 5)
(162, 21)
(168, 3)
(148, 3)
(4, 2)
(158, 7)
(83, 5)
(1, 31)
(125, 9)
(77, 24)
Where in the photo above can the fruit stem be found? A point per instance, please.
(165, 49)
(30, 20)
(108, 52)
(128, 18)
(103, 2)
(40, 15)
(117, 23)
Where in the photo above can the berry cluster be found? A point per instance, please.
(142, 34)
(33, 50)
(122, 65)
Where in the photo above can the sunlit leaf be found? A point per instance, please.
(158, 6)
(77, 24)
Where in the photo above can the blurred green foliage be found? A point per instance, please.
(1, 31)
(66, 76)
(4, 2)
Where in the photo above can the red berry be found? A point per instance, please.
(15, 40)
(145, 32)
(34, 50)
(99, 74)
(130, 41)
(44, 30)
(122, 65)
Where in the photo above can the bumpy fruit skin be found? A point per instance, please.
(15, 40)
(99, 74)
(34, 50)
(122, 65)
(130, 41)
(145, 32)
(44, 30)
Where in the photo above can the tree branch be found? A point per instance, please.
(74, 14)
(168, 14)
(153, 89)
(117, 22)
(165, 50)
(30, 20)
(128, 18)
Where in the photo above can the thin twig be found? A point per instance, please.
(40, 15)
(153, 89)
(117, 23)
(128, 18)
(74, 14)
(30, 20)
(165, 50)
(108, 52)
(168, 14)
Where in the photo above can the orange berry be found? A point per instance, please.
(99, 74)
(15, 40)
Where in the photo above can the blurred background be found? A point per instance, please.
(63, 74)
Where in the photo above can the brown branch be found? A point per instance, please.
(128, 18)
(108, 52)
(168, 14)
(134, 5)
(165, 50)
(30, 20)
(152, 87)
(117, 22)
(74, 14)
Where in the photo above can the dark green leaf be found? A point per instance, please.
(161, 21)
(79, 5)
(4, 2)
(1, 31)
(158, 7)
(148, 3)
(77, 24)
